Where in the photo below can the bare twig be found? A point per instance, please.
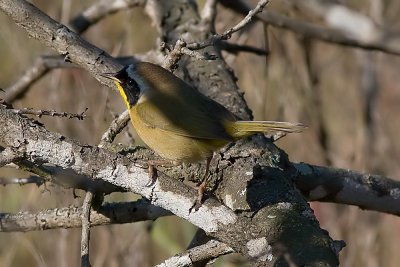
(388, 42)
(52, 113)
(115, 128)
(181, 47)
(85, 238)
(71, 217)
(177, 51)
(228, 33)
(22, 181)
(367, 191)
(210, 250)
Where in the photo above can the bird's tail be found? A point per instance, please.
(241, 129)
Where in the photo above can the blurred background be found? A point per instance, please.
(349, 98)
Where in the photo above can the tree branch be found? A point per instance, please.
(372, 192)
(71, 217)
(228, 33)
(52, 113)
(115, 128)
(210, 250)
(85, 237)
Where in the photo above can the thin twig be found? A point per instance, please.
(85, 238)
(115, 128)
(182, 48)
(52, 113)
(228, 33)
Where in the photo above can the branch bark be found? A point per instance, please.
(373, 192)
(71, 217)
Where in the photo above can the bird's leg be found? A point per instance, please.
(152, 163)
(202, 186)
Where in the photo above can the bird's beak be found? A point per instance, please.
(110, 76)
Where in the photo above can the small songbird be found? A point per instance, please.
(178, 122)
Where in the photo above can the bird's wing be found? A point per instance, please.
(188, 113)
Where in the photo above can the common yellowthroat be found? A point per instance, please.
(178, 122)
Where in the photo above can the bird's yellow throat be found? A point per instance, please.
(122, 92)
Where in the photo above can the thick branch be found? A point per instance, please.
(372, 192)
(71, 217)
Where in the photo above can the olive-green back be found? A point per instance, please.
(174, 106)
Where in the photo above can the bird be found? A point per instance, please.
(178, 122)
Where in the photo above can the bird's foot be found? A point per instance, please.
(200, 197)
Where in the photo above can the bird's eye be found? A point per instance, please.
(131, 83)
